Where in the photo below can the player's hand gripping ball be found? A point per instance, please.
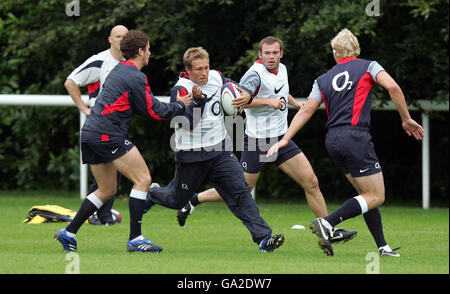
(229, 93)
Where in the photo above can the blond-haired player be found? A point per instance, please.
(346, 92)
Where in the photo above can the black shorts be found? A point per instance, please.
(351, 148)
(95, 152)
(253, 156)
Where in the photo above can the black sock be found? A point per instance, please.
(373, 221)
(349, 209)
(86, 210)
(194, 200)
(136, 207)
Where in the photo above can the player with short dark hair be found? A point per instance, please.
(92, 73)
(346, 91)
(203, 151)
(132, 42)
(105, 146)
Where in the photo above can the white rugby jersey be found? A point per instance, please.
(211, 128)
(266, 122)
(95, 69)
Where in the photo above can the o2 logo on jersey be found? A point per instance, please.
(285, 104)
(216, 108)
(346, 84)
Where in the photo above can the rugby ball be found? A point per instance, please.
(229, 93)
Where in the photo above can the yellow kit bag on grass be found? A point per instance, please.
(49, 213)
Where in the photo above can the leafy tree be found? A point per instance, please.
(40, 45)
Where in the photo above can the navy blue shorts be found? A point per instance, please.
(253, 156)
(351, 148)
(104, 150)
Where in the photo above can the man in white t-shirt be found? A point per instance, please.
(92, 73)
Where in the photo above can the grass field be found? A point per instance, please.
(213, 241)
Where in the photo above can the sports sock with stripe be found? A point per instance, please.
(140, 237)
(136, 207)
(351, 208)
(88, 207)
(194, 200)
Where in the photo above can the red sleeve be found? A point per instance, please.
(149, 99)
(93, 89)
(183, 92)
(146, 104)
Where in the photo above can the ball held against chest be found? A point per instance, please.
(228, 93)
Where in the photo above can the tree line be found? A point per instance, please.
(41, 44)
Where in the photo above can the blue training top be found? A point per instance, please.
(126, 90)
(346, 91)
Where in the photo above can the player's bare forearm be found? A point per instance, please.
(75, 94)
(398, 98)
(301, 118)
(294, 103)
(257, 102)
(274, 103)
(395, 92)
(411, 127)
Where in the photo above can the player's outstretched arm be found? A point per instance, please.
(411, 127)
(294, 103)
(195, 102)
(186, 99)
(144, 103)
(299, 120)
